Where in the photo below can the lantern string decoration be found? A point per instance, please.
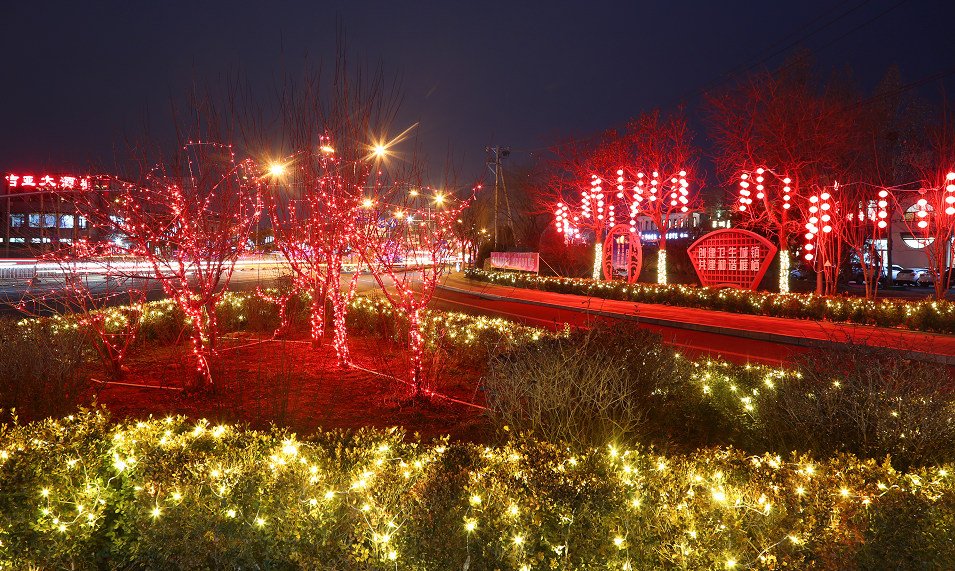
(765, 199)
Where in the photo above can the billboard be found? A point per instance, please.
(524, 261)
(734, 258)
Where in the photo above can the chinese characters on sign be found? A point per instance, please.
(524, 261)
(722, 258)
(735, 258)
(32, 183)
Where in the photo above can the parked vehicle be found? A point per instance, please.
(858, 273)
(802, 271)
(895, 272)
(914, 277)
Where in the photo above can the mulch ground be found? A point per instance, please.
(290, 383)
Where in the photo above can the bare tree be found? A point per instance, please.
(183, 210)
(406, 236)
(797, 132)
(657, 173)
(575, 187)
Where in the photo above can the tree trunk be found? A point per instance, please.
(318, 314)
(416, 353)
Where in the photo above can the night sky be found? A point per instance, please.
(472, 74)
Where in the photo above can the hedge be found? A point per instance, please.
(84, 493)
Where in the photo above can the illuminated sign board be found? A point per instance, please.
(524, 261)
(734, 258)
(622, 254)
(35, 183)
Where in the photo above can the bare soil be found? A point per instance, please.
(261, 381)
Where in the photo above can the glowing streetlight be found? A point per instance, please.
(368, 203)
(439, 199)
(277, 170)
(380, 151)
(327, 149)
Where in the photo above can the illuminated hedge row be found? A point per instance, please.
(82, 493)
(921, 315)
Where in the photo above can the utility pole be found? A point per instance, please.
(494, 156)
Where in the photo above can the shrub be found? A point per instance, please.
(246, 312)
(867, 400)
(82, 493)
(42, 368)
(588, 388)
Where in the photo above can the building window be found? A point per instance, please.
(66, 221)
(34, 220)
(17, 220)
(916, 243)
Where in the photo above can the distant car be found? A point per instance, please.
(895, 271)
(802, 272)
(858, 274)
(914, 276)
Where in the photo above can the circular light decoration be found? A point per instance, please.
(882, 214)
(922, 213)
(950, 194)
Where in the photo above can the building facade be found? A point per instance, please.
(39, 212)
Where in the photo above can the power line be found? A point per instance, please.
(902, 89)
(693, 93)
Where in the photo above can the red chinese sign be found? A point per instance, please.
(734, 258)
(33, 183)
(622, 254)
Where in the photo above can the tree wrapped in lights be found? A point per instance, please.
(317, 192)
(406, 236)
(794, 129)
(658, 172)
(184, 213)
(577, 187)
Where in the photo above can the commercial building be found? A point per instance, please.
(38, 212)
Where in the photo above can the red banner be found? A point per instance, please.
(734, 258)
(525, 261)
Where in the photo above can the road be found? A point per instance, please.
(735, 337)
